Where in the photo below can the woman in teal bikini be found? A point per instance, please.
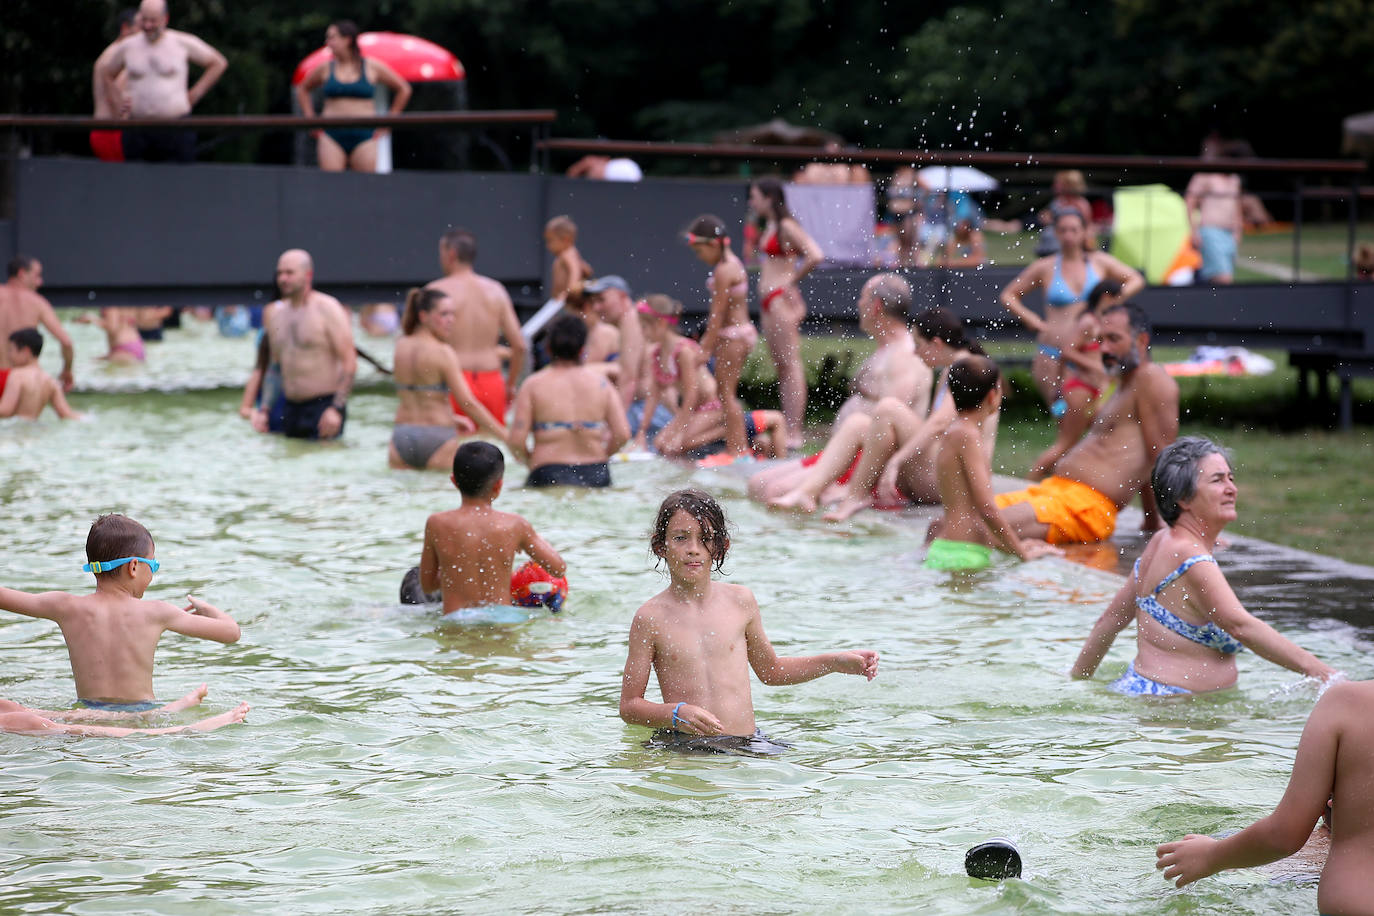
(426, 370)
(350, 84)
(1190, 625)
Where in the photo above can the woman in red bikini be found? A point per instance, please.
(729, 335)
(787, 254)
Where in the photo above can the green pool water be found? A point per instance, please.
(391, 764)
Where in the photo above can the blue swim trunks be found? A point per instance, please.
(1134, 684)
(1218, 252)
(109, 706)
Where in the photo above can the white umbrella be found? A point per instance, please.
(955, 178)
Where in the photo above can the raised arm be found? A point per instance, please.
(1130, 279)
(776, 670)
(1210, 593)
(1118, 615)
(198, 52)
(44, 605)
(202, 620)
(541, 552)
(1027, 280)
(1286, 830)
(453, 377)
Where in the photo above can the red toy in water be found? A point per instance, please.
(532, 586)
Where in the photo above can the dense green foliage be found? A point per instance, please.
(1124, 76)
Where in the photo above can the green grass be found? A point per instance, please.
(1300, 486)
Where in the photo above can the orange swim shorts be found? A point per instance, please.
(489, 388)
(1075, 512)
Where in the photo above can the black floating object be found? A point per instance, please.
(996, 860)
(412, 593)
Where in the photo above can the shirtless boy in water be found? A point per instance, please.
(112, 635)
(701, 637)
(1333, 762)
(468, 551)
(971, 528)
(26, 389)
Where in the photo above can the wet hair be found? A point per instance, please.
(562, 225)
(20, 262)
(29, 339)
(941, 324)
(893, 293)
(1104, 288)
(419, 300)
(476, 467)
(1174, 478)
(113, 537)
(771, 188)
(707, 512)
(567, 337)
(1135, 315)
(663, 306)
(348, 29)
(462, 243)
(709, 228)
(970, 379)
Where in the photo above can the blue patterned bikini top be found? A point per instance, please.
(1210, 635)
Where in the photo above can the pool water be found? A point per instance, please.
(392, 764)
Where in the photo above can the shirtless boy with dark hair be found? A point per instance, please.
(27, 389)
(468, 551)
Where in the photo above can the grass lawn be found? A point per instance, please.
(1300, 486)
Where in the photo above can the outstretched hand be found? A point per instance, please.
(860, 661)
(196, 606)
(1185, 861)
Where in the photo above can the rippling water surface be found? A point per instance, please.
(393, 764)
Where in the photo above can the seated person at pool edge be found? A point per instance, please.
(701, 637)
(26, 389)
(1111, 464)
(971, 528)
(468, 551)
(112, 635)
(574, 413)
(1189, 624)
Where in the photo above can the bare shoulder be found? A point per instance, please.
(740, 595)
(493, 289)
(1152, 377)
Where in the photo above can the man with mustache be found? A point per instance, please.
(1104, 471)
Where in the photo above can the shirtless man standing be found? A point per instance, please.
(311, 337)
(894, 370)
(22, 307)
(156, 62)
(609, 297)
(109, 144)
(485, 315)
(1104, 471)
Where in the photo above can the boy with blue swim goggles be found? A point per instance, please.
(103, 566)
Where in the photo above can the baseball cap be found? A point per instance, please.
(601, 284)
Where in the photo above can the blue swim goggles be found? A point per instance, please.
(100, 566)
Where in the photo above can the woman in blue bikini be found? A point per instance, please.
(350, 83)
(1190, 625)
(1066, 278)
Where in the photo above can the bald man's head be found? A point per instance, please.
(295, 272)
(152, 18)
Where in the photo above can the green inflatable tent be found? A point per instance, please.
(1149, 228)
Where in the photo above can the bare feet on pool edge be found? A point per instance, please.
(794, 499)
(193, 698)
(846, 508)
